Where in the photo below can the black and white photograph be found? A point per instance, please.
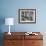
(27, 15)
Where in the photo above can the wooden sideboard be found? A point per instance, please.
(20, 39)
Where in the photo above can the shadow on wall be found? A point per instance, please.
(2, 21)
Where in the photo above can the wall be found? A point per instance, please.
(9, 8)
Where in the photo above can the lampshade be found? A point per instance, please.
(9, 21)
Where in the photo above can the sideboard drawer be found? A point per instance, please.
(33, 43)
(16, 37)
(13, 42)
(34, 37)
(10, 42)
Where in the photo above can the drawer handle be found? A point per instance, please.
(33, 42)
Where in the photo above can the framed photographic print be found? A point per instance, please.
(27, 16)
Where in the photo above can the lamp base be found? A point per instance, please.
(9, 33)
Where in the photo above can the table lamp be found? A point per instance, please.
(9, 21)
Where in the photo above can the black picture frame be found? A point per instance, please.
(27, 16)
